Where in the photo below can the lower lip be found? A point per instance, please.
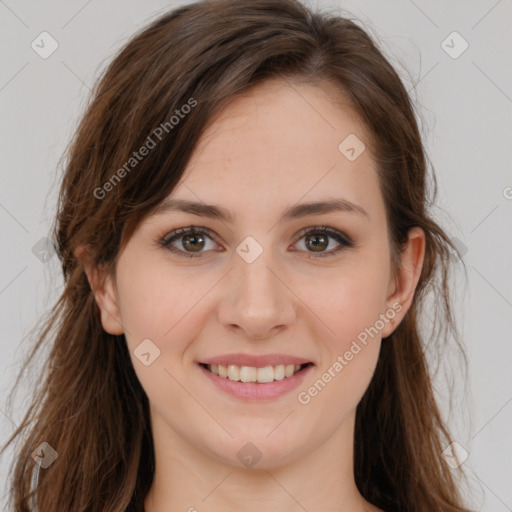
(255, 390)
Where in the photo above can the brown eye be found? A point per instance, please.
(194, 242)
(318, 240)
(189, 242)
(317, 243)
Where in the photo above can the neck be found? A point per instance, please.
(189, 479)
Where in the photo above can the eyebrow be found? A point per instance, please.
(294, 212)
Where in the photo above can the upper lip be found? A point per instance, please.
(254, 360)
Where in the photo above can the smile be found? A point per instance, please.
(261, 375)
(256, 383)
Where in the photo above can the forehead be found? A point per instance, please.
(278, 143)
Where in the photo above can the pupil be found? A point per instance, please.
(194, 240)
(315, 245)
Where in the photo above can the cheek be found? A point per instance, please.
(158, 305)
(162, 304)
(351, 308)
(350, 305)
(151, 296)
(349, 302)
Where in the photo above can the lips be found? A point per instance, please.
(257, 361)
(270, 384)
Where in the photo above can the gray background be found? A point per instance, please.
(465, 105)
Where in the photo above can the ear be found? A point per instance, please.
(403, 284)
(103, 286)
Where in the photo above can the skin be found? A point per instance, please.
(270, 149)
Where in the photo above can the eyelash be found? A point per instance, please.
(342, 239)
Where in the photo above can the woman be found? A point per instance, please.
(245, 244)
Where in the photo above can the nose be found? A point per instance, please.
(257, 300)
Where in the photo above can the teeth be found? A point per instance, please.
(233, 372)
(253, 374)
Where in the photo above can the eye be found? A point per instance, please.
(317, 239)
(189, 242)
(193, 240)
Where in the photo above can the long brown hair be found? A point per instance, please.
(89, 405)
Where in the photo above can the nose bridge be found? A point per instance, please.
(256, 299)
(256, 285)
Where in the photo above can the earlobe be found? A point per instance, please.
(102, 285)
(406, 279)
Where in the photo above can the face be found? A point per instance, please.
(271, 284)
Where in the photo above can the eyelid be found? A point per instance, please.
(185, 231)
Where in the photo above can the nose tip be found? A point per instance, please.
(254, 330)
